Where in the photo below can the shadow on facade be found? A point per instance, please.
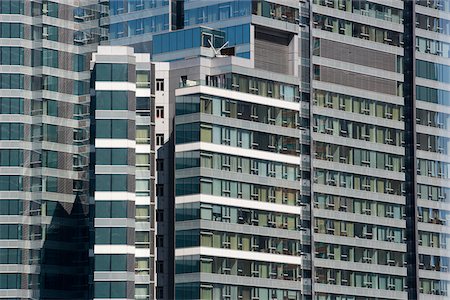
(65, 253)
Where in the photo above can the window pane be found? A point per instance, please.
(118, 209)
(118, 235)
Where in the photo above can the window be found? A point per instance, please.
(159, 291)
(142, 134)
(51, 184)
(111, 100)
(113, 183)
(116, 289)
(10, 232)
(142, 103)
(160, 190)
(50, 83)
(142, 239)
(159, 215)
(11, 81)
(142, 187)
(50, 33)
(11, 30)
(11, 7)
(10, 183)
(11, 56)
(11, 207)
(79, 61)
(50, 58)
(159, 240)
(50, 9)
(143, 213)
(111, 209)
(160, 84)
(106, 235)
(50, 107)
(11, 131)
(116, 129)
(160, 164)
(159, 139)
(50, 159)
(111, 72)
(142, 266)
(11, 106)
(142, 161)
(10, 256)
(114, 156)
(142, 79)
(10, 281)
(113, 262)
(11, 157)
(141, 292)
(50, 133)
(160, 266)
(160, 112)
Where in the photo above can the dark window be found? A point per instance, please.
(11, 207)
(160, 112)
(11, 81)
(112, 100)
(11, 106)
(11, 30)
(51, 108)
(113, 262)
(115, 129)
(11, 56)
(159, 240)
(10, 232)
(160, 190)
(159, 139)
(116, 289)
(159, 215)
(114, 182)
(11, 7)
(10, 256)
(160, 84)
(111, 209)
(160, 266)
(50, 9)
(114, 236)
(10, 183)
(11, 157)
(49, 159)
(159, 292)
(160, 164)
(142, 103)
(114, 156)
(50, 83)
(50, 58)
(10, 281)
(112, 72)
(50, 133)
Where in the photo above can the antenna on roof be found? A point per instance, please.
(217, 51)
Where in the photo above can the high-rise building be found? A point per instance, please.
(45, 54)
(379, 90)
(265, 149)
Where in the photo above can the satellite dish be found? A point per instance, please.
(217, 51)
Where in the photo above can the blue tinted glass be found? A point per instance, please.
(232, 35)
(238, 34)
(188, 38)
(246, 33)
(173, 41)
(180, 40)
(196, 37)
(165, 45)
(157, 46)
